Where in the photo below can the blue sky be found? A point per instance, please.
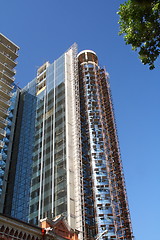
(44, 30)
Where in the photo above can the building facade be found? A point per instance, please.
(8, 55)
(64, 157)
(57, 229)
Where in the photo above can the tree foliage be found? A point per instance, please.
(140, 23)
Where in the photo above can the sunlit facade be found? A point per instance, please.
(66, 152)
(46, 145)
(8, 55)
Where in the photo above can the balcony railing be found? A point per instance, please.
(8, 57)
(8, 47)
(7, 74)
(2, 132)
(4, 110)
(6, 82)
(8, 67)
(5, 91)
(7, 102)
(4, 121)
(41, 81)
(1, 144)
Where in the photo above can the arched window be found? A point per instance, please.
(20, 235)
(24, 236)
(29, 237)
(2, 228)
(11, 232)
(7, 230)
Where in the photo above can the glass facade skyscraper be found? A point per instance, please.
(65, 157)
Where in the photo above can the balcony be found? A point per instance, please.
(9, 50)
(41, 81)
(2, 133)
(6, 84)
(4, 102)
(8, 68)
(1, 144)
(6, 75)
(5, 93)
(3, 112)
(3, 122)
(6, 58)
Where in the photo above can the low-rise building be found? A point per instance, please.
(57, 229)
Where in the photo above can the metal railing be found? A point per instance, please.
(4, 110)
(5, 91)
(4, 121)
(7, 102)
(4, 72)
(1, 144)
(8, 56)
(2, 132)
(8, 47)
(6, 82)
(8, 67)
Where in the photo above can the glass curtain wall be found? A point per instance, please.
(5, 152)
(48, 189)
(26, 129)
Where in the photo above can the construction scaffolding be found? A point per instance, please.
(119, 201)
(105, 206)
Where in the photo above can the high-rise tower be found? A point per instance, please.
(8, 55)
(105, 204)
(66, 153)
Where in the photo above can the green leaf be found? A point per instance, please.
(139, 24)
